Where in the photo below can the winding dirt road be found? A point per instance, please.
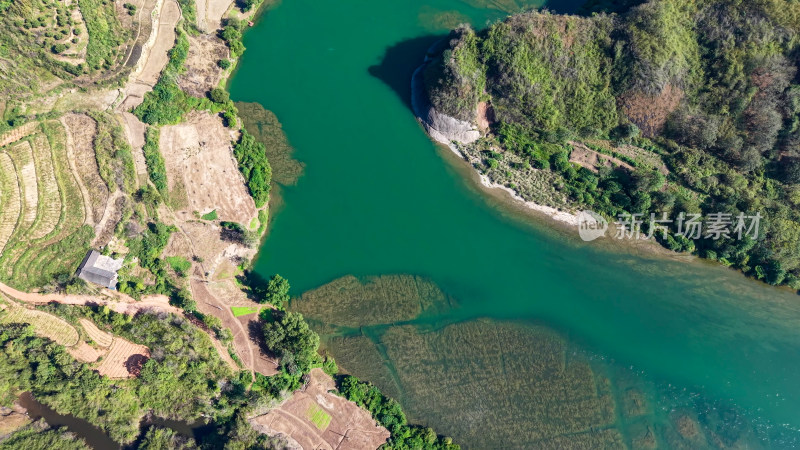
(116, 301)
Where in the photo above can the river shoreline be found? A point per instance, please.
(423, 111)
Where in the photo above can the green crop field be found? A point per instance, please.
(318, 417)
(243, 310)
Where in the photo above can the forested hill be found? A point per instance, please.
(692, 104)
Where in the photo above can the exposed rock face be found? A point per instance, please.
(441, 127)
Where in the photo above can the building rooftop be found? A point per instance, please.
(99, 269)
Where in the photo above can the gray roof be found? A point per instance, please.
(99, 269)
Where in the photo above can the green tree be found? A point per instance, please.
(277, 292)
(289, 336)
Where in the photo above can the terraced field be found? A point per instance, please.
(44, 324)
(43, 230)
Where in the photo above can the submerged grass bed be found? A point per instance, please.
(484, 381)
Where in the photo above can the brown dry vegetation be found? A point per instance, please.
(350, 427)
(201, 168)
(650, 112)
(202, 72)
(82, 129)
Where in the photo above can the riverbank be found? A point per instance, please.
(447, 131)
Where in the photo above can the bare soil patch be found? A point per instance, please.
(12, 419)
(244, 344)
(134, 130)
(200, 162)
(592, 160)
(202, 71)
(350, 427)
(156, 58)
(210, 12)
(84, 352)
(485, 116)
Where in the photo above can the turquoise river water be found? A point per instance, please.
(378, 197)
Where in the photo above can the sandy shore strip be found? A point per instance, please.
(421, 106)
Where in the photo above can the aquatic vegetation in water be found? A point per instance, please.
(349, 302)
(487, 381)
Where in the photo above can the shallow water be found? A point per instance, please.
(377, 197)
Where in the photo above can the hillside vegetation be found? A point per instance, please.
(690, 106)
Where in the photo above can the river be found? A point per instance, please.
(378, 197)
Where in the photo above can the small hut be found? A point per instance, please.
(99, 269)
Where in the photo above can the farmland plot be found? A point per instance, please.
(22, 155)
(97, 335)
(124, 359)
(44, 324)
(42, 216)
(49, 197)
(83, 129)
(10, 200)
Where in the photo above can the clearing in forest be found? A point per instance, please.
(315, 417)
(124, 359)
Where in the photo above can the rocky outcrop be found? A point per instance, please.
(441, 127)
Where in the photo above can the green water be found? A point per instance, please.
(378, 197)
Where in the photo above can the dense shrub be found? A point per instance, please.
(252, 158)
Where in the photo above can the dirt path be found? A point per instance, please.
(117, 302)
(87, 204)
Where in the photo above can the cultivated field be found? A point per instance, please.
(123, 360)
(42, 214)
(82, 129)
(314, 417)
(98, 336)
(44, 324)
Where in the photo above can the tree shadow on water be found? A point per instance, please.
(399, 63)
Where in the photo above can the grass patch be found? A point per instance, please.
(105, 33)
(179, 264)
(210, 216)
(155, 161)
(318, 417)
(243, 310)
